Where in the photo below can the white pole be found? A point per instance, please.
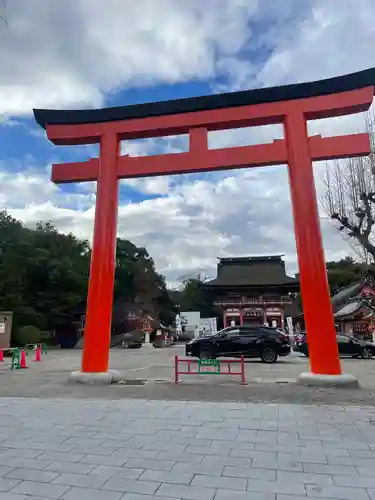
(290, 332)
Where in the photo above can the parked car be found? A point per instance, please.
(129, 340)
(249, 341)
(348, 346)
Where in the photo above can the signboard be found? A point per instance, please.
(178, 323)
(2, 327)
(290, 325)
(191, 318)
(209, 366)
(205, 324)
(232, 312)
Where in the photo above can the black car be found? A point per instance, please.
(348, 346)
(249, 341)
(128, 340)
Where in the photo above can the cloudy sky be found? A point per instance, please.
(93, 53)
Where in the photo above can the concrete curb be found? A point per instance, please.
(100, 378)
(316, 380)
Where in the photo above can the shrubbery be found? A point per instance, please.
(28, 334)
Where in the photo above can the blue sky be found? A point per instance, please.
(79, 54)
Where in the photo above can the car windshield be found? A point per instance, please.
(222, 332)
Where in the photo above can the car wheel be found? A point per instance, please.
(268, 355)
(355, 356)
(206, 353)
(366, 353)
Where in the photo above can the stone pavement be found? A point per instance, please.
(136, 449)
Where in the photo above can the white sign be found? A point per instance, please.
(2, 327)
(191, 318)
(178, 323)
(290, 331)
(208, 326)
(213, 325)
(290, 325)
(205, 325)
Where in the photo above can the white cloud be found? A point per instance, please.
(241, 214)
(337, 38)
(72, 53)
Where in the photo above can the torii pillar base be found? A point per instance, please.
(95, 378)
(344, 380)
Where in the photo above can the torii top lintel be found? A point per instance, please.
(337, 96)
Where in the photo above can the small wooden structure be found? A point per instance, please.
(6, 318)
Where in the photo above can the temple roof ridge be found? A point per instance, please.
(252, 271)
(343, 83)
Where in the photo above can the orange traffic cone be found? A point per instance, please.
(1, 356)
(38, 356)
(23, 363)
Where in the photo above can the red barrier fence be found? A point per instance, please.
(208, 367)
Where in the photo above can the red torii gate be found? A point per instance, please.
(290, 105)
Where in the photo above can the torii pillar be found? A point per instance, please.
(293, 106)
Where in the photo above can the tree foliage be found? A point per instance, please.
(27, 334)
(194, 297)
(346, 272)
(44, 276)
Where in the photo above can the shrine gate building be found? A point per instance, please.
(253, 290)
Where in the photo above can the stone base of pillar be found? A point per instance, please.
(315, 380)
(95, 378)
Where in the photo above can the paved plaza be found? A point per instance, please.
(135, 449)
(208, 438)
(149, 375)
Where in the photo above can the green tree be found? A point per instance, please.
(136, 280)
(44, 276)
(344, 273)
(194, 297)
(28, 334)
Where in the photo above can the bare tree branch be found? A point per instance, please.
(349, 197)
(3, 18)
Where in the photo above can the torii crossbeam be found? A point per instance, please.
(291, 105)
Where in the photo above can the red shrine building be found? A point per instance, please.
(253, 290)
(353, 310)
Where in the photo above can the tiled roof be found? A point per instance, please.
(342, 297)
(353, 307)
(252, 271)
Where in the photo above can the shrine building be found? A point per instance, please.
(253, 290)
(353, 310)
